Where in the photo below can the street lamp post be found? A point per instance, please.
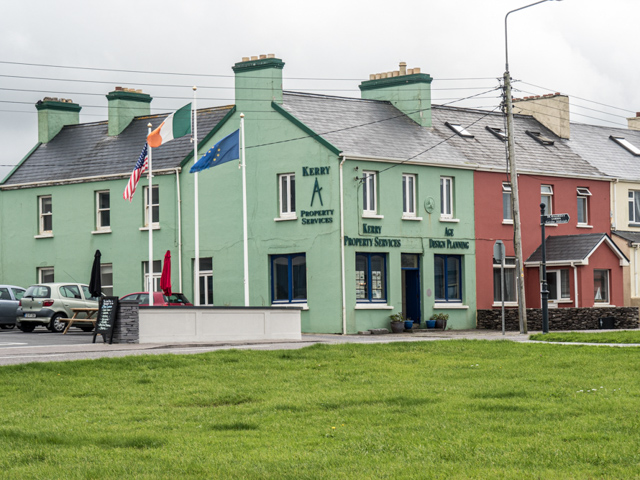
(515, 203)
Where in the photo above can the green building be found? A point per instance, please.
(356, 208)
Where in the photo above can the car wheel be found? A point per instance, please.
(8, 326)
(27, 327)
(55, 325)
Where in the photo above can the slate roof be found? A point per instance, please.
(631, 237)
(489, 151)
(592, 143)
(371, 128)
(572, 248)
(85, 150)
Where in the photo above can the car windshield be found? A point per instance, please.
(38, 291)
(176, 298)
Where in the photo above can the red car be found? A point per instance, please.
(159, 299)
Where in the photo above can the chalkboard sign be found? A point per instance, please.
(106, 318)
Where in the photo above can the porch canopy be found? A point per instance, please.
(574, 250)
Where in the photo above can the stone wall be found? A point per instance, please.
(560, 318)
(127, 328)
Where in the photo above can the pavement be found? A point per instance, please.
(11, 354)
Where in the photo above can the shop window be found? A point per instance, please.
(106, 278)
(369, 194)
(408, 195)
(510, 290)
(156, 274)
(45, 275)
(446, 197)
(45, 207)
(103, 211)
(289, 278)
(206, 281)
(546, 196)
(634, 206)
(601, 286)
(155, 206)
(371, 277)
(558, 285)
(583, 205)
(287, 194)
(448, 278)
(507, 208)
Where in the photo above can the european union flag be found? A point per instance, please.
(224, 151)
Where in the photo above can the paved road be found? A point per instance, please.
(42, 346)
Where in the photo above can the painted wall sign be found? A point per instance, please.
(317, 189)
(311, 171)
(371, 228)
(452, 244)
(372, 242)
(311, 217)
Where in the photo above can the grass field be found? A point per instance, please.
(449, 409)
(625, 336)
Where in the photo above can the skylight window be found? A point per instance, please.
(459, 129)
(498, 132)
(538, 137)
(623, 142)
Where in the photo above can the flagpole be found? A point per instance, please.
(196, 266)
(244, 216)
(150, 226)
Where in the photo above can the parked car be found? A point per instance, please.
(159, 299)
(45, 303)
(10, 296)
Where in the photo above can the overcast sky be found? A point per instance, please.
(587, 49)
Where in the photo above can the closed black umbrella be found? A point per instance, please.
(95, 284)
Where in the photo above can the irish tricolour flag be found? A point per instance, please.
(177, 125)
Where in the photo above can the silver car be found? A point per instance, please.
(10, 296)
(46, 303)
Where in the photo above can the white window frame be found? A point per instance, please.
(559, 274)
(206, 274)
(43, 272)
(409, 195)
(633, 219)
(507, 266)
(604, 301)
(43, 215)
(106, 271)
(506, 192)
(157, 273)
(153, 206)
(446, 198)
(286, 195)
(369, 193)
(547, 191)
(583, 196)
(101, 211)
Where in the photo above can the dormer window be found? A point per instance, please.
(626, 144)
(459, 129)
(538, 137)
(498, 132)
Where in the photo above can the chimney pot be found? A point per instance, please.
(403, 68)
(557, 93)
(262, 57)
(396, 73)
(637, 114)
(271, 55)
(416, 70)
(245, 59)
(410, 71)
(254, 57)
(378, 76)
(372, 76)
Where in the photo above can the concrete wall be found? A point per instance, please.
(217, 324)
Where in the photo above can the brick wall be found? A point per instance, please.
(126, 329)
(560, 318)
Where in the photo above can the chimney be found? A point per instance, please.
(634, 122)
(53, 114)
(551, 110)
(124, 105)
(407, 89)
(258, 82)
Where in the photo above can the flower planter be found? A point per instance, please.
(408, 324)
(397, 327)
(431, 324)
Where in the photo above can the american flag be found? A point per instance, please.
(141, 166)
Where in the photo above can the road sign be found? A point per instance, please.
(556, 218)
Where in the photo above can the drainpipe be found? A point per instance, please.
(615, 208)
(344, 285)
(635, 268)
(179, 201)
(575, 283)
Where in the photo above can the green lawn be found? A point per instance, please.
(446, 409)
(625, 336)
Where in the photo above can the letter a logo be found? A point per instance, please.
(316, 189)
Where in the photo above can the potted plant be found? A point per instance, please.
(397, 322)
(440, 320)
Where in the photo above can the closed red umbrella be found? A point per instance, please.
(165, 279)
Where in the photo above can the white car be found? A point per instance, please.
(45, 303)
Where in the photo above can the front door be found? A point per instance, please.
(411, 287)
